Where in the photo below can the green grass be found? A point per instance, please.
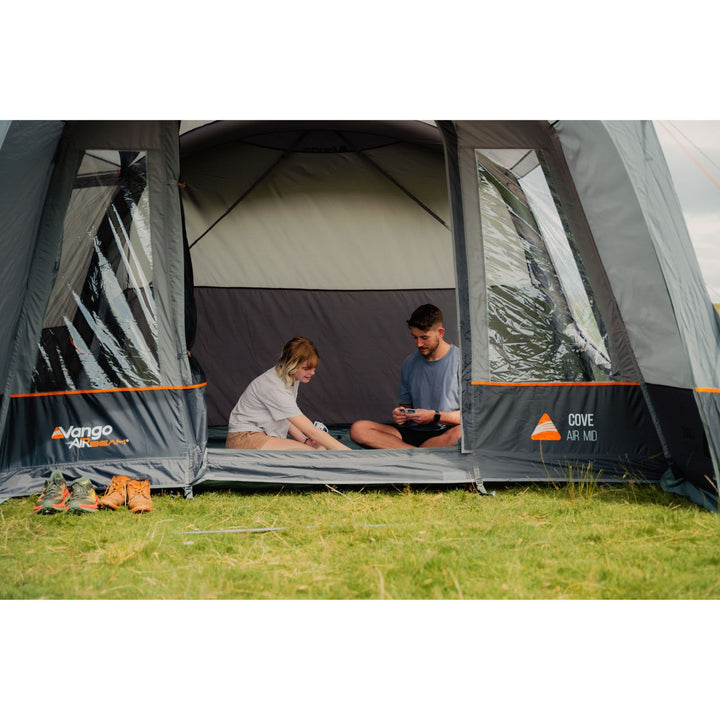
(577, 541)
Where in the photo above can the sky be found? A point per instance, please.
(692, 151)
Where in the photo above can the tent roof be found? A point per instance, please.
(308, 135)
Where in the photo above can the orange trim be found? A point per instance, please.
(551, 384)
(109, 390)
(710, 390)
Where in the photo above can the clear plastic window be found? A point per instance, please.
(100, 328)
(541, 323)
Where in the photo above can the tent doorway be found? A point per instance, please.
(335, 231)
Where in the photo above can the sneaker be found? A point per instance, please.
(116, 494)
(82, 496)
(53, 498)
(138, 495)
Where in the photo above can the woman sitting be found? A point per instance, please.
(267, 411)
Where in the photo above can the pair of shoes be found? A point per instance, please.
(135, 493)
(56, 497)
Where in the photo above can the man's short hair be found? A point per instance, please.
(425, 317)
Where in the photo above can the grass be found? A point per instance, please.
(577, 541)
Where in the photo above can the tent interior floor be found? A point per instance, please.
(217, 436)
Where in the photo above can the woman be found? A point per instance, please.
(267, 411)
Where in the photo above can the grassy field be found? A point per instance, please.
(580, 541)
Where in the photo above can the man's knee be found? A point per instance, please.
(454, 434)
(448, 438)
(358, 430)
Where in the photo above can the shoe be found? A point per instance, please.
(138, 495)
(116, 494)
(82, 496)
(53, 498)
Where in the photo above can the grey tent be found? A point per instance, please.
(151, 269)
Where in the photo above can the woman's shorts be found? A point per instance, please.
(246, 440)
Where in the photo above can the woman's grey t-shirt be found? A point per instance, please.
(265, 406)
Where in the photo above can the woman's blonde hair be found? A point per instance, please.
(296, 352)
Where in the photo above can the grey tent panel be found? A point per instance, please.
(26, 154)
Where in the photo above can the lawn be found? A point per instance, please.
(580, 541)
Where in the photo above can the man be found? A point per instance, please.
(428, 412)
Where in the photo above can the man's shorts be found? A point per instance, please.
(246, 440)
(413, 436)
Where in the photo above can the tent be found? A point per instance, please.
(150, 269)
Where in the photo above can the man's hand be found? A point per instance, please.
(422, 416)
(399, 415)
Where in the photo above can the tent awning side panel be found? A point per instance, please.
(697, 320)
(129, 417)
(618, 223)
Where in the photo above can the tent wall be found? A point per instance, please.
(638, 225)
(361, 337)
(92, 422)
(625, 244)
(594, 422)
(27, 150)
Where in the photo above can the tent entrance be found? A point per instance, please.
(328, 230)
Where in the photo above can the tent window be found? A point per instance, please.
(541, 324)
(100, 328)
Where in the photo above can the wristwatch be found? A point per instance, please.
(436, 418)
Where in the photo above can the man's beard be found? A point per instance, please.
(426, 352)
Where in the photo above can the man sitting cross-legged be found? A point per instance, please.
(428, 412)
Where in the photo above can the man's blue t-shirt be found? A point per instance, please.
(433, 385)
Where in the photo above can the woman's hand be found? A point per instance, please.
(310, 433)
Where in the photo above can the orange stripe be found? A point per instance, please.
(710, 390)
(109, 390)
(551, 384)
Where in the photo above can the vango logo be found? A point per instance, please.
(88, 436)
